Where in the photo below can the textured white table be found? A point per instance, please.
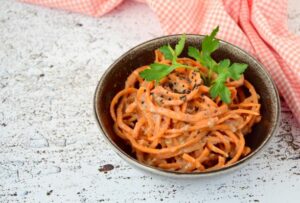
(50, 147)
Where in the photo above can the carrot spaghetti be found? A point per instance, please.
(175, 125)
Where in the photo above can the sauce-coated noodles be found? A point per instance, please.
(175, 125)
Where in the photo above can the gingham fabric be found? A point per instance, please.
(257, 26)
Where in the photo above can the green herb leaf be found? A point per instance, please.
(236, 69)
(179, 47)
(223, 66)
(166, 52)
(194, 53)
(207, 61)
(158, 66)
(215, 89)
(225, 95)
(156, 72)
(210, 43)
(225, 71)
(219, 89)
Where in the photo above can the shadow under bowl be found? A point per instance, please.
(113, 80)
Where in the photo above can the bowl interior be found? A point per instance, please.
(114, 79)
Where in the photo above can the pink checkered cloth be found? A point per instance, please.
(257, 26)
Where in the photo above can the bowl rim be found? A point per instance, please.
(159, 171)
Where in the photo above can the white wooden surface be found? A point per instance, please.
(50, 146)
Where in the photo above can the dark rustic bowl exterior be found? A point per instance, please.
(114, 78)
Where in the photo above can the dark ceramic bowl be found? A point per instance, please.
(113, 81)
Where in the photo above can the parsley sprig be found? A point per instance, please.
(208, 46)
(223, 69)
(158, 71)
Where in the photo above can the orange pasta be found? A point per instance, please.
(175, 125)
